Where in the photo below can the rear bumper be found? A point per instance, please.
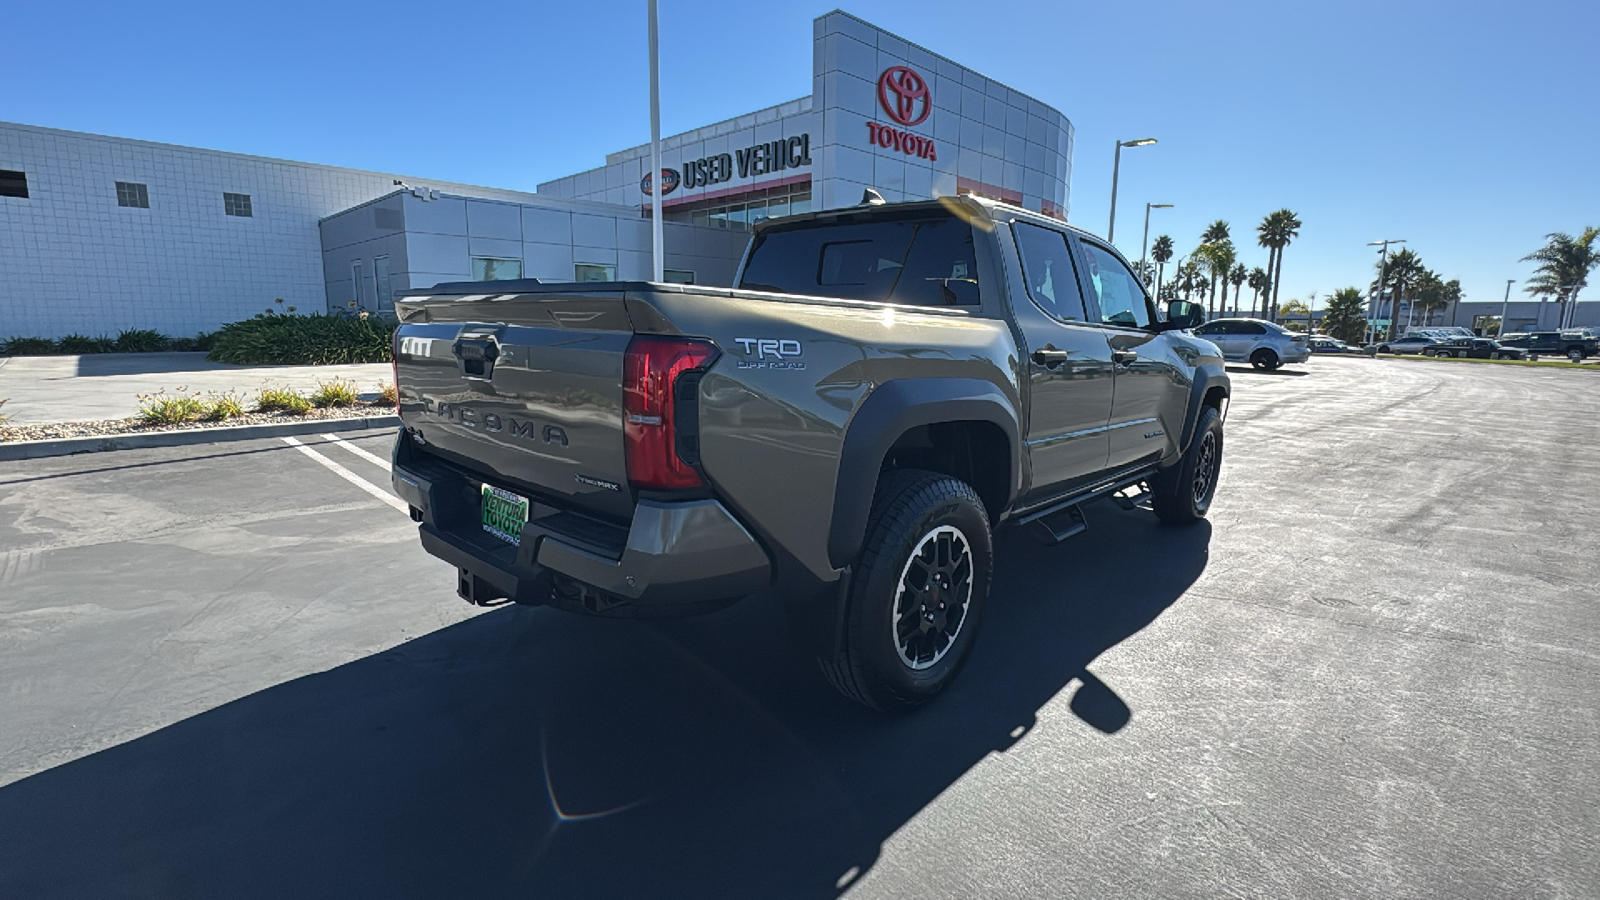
(678, 558)
(1296, 354)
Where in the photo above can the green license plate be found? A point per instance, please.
(504, 514)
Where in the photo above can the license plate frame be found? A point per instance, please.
(503, 513)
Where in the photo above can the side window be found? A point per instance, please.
(1047, 267)
(1212, 328)
(1252, 328)
(1121, 296)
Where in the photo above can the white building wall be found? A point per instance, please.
(72, 260)
(429, 241)
(988, 138)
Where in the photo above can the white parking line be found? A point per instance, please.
(373, 458)
(350, 476)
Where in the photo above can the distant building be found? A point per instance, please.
(99, 234)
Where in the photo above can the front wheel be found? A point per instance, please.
(1575, 355)
(1182, 494)
(917, 597)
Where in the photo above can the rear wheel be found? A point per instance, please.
(1264, 359)
(1182, 493)
(917, 598)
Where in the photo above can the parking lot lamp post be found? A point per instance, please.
(1505, 305)
(1383, 264)
(1144, 246)
(1116, 168)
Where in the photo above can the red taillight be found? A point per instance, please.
(649, 415)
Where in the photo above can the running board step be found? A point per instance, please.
(1057, 525)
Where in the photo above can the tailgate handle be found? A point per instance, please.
(477, 356)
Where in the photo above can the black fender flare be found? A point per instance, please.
(889, 411)
(1205, 378)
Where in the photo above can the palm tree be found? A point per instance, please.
(1215, 235)
(1236, 275)
(1564, 266)
(1259, 282)
(1161, 252)
(1400, 276)
(1346, 316)
(1276, 232)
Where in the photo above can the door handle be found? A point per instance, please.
(1050, 358)
(1124, 357)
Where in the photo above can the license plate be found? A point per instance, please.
(504, 514)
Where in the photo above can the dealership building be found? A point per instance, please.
(99, 234)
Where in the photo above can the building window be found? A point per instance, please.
(131, 193)
(355, 284)
(740, 212)
(237, 205)
(380, 278)
(593, 272)
(487, 268)
(678, 276)
(13, 184)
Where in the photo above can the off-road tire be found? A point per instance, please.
(1265, 360)
(1176, 494)
(909, 507)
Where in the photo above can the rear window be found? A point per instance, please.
(927, 260)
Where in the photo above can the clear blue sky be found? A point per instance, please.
(1469, 129)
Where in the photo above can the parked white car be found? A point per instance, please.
(1265, 345)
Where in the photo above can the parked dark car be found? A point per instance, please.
(1323, 344)
(1574, 345)
(1411, 343)
(1475, 348)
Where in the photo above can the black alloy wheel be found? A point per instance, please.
(917, 594)
(1181, 494)
(934, 595)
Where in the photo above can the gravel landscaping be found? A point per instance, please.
(135, 425)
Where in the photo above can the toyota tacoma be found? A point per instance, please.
(881, 389)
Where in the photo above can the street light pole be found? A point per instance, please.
(1144, 246)
(1116, 168)
(1383, 263)
(1505, 305)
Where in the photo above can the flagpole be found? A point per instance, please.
(658, 251)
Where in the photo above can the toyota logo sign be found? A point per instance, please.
(669, 182)
(900, 90)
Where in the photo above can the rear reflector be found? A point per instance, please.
(650, 415)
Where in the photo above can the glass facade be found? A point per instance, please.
(739, 211)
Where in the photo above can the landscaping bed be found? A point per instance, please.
(138, 425)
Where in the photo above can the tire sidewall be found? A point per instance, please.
(874, 594)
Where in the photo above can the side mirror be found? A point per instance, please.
(1182, 314)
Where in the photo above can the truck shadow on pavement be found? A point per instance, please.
(531, 753)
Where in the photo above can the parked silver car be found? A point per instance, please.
(1265, 345)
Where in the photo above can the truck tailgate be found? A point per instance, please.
(525, 390)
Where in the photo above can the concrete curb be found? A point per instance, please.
(96, 443)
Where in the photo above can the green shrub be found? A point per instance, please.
(78, 343)
(283, 400)
(29, 346)
(335, 392)
(387, 396)
(224, 405)
(140, 340)
(273, 339)
(161, 409)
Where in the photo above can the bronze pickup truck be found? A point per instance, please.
(882, 387)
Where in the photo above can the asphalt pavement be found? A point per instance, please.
(230, 671)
